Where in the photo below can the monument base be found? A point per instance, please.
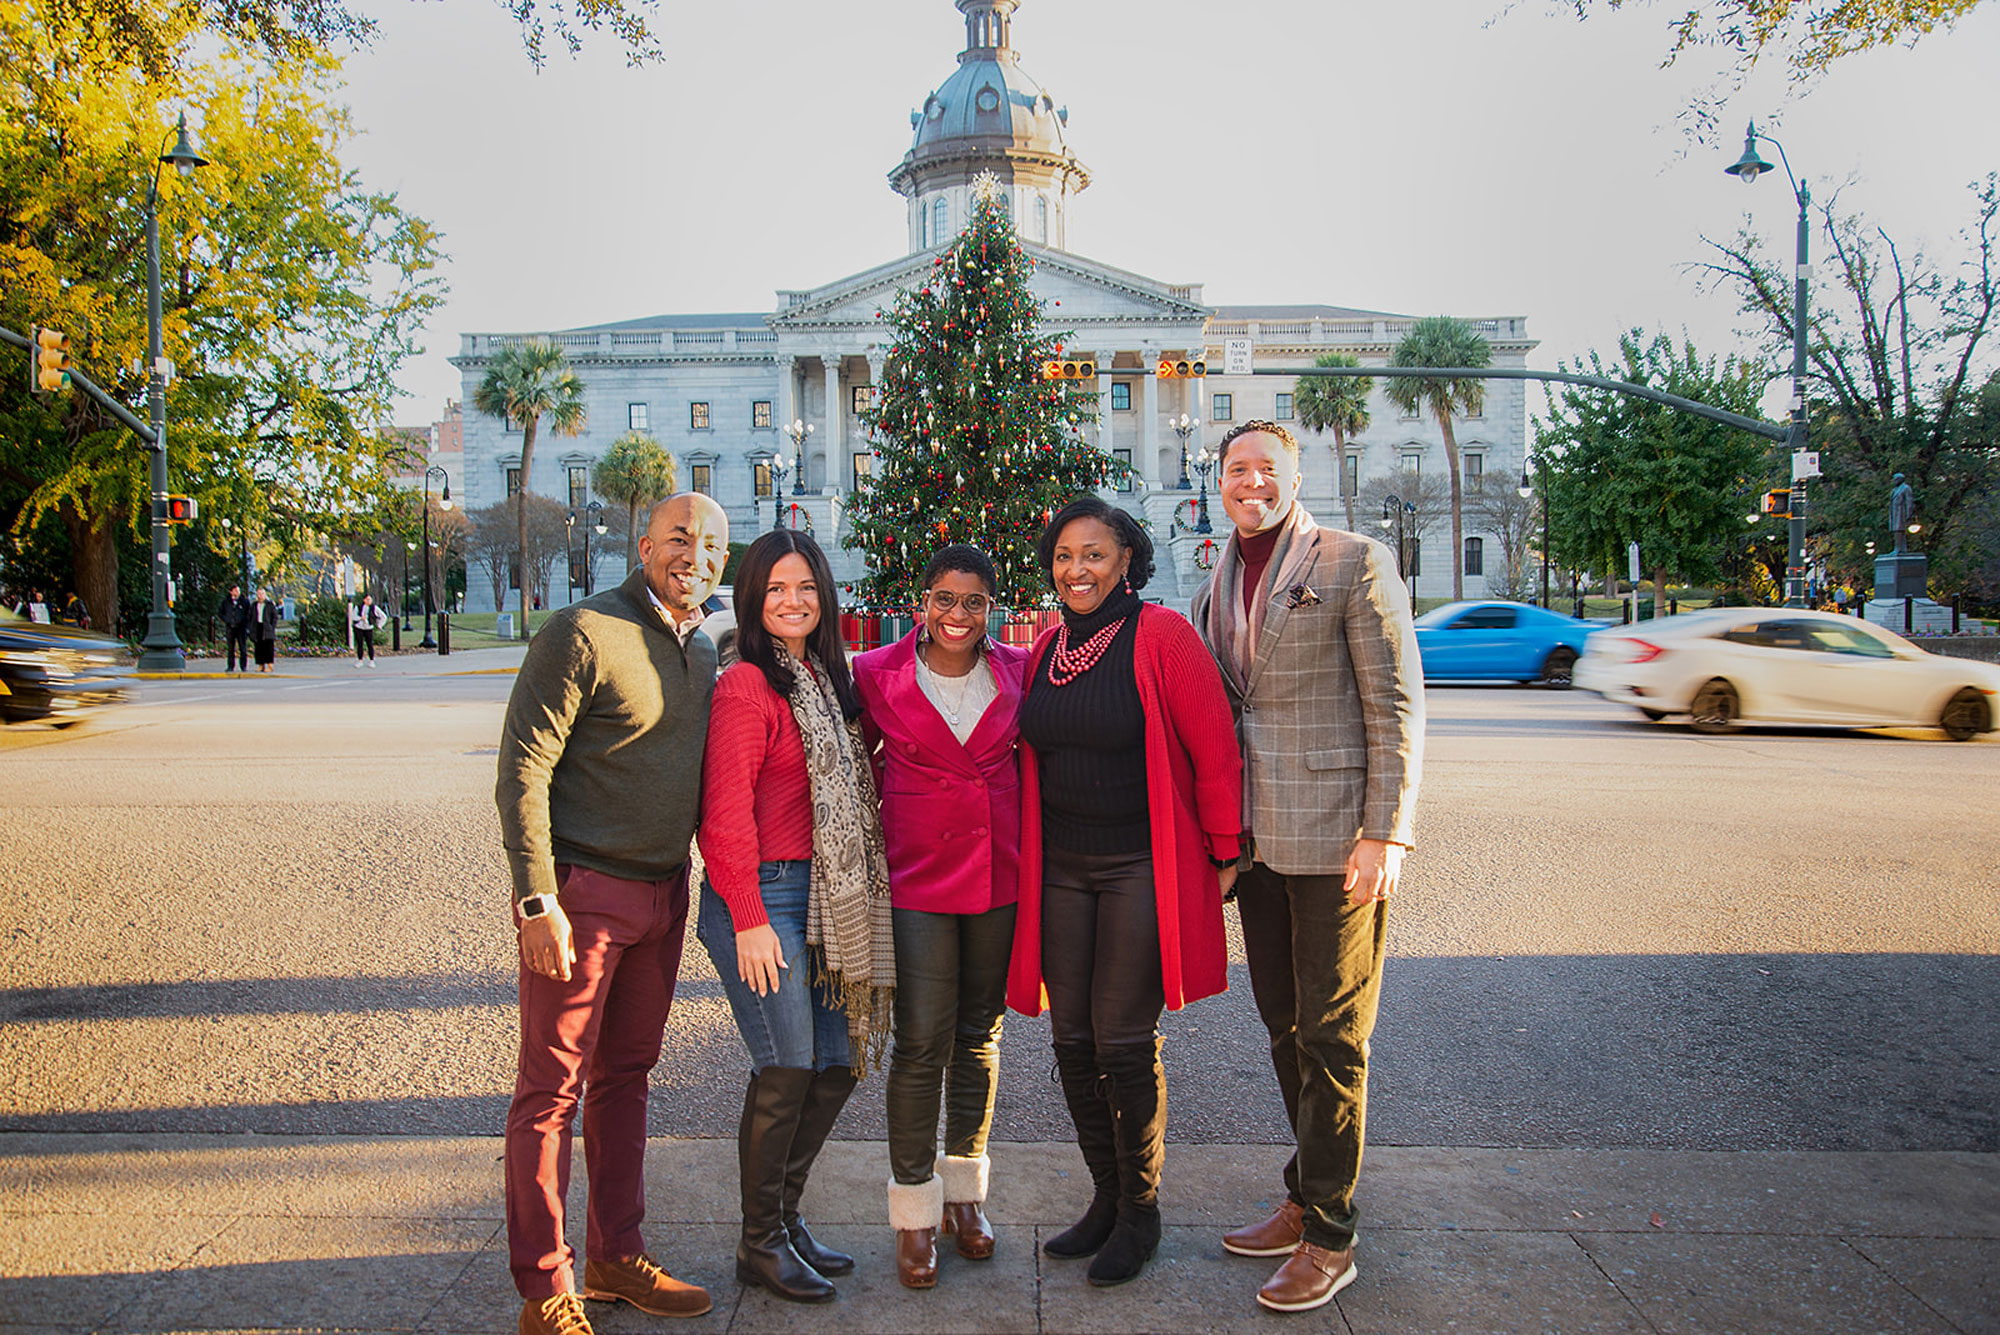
(1925, 616)
(1902, 575)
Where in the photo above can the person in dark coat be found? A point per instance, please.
(235, 614)
(264, 630)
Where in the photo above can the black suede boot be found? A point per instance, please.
(824, 1099)
(1139, 1124)
(765, 1256)
(1082, 1090)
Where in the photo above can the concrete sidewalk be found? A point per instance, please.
(500, 658)
(121, 1233)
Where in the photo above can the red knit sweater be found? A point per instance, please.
(756, 801)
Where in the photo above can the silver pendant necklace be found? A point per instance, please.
(954, 708)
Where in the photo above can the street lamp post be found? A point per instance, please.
(593, 523)
(403, 595)
(162, 650)
(799, 431)
(778, 470)
(444, 503)
(1527, 489)
(1396, 511)
(1203, 464)
(1748, 168)
(1184, 426)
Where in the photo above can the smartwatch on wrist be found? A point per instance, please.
(535, 906)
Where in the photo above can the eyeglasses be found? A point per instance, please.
(975, 604)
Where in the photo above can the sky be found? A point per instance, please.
(1476, 157)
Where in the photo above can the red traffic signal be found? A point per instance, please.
(181, 510)
(1180, 368)
(50, 369)
(1778, 502)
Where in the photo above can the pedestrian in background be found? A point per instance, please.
(941, 718)
(1131, 802)
(795, 904)
(367, 618)
(1311, 628)
(235, 616)
(264, 630)
(599, 784)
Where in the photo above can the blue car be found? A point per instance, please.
(1500, 642)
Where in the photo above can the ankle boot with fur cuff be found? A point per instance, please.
(964, 1181)
(915, 1211)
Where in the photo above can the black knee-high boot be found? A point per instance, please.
(824, 1099)
(1139, 1125)
(1082, 1084)
(765, 1255)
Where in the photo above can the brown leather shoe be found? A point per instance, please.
(639, 1281)
(966, 1220)
(558, 1315)
(1277, 1236)
(1308, 1279)
(916, 1257)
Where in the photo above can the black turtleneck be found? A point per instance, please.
(1090, 738)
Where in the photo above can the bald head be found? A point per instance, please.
(683, 550)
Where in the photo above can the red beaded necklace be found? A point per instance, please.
(1073, 663)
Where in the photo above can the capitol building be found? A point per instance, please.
(719, 391)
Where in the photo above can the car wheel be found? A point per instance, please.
(1965, 716)
(1556, 668)
(1715, 707)
(1653, 715)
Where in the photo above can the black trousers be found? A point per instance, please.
(951, 989)
(238, 650)
(364, 644)
(1316, 973)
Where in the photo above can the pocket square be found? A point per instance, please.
(1301, 595)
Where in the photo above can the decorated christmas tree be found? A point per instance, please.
(976, 443)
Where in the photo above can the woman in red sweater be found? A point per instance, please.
(1131, 804)
(795, 904)
(942, 703)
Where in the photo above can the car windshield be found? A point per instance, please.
(1439, 616)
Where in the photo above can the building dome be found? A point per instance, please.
(989, 116)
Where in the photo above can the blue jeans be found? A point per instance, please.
(799, 1025)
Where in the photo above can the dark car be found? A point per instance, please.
(57, 674)
(1496, 641)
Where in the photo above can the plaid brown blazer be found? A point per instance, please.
(1331, 713)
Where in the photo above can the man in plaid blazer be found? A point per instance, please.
(1312, 630)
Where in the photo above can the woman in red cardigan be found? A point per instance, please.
(941, 705)
(1131, 804)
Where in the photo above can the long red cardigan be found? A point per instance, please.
(1194, 787)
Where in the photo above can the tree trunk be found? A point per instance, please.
(1659, 592)
(93, 544)
(1457, 508)
(631, 534)
(1340, 475)
(521, 517)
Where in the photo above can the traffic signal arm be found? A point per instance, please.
(83, 382)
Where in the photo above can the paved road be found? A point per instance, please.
(274, 905)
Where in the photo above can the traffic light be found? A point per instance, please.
(1069, 370)
(1778, 501)
(50, 369)
(181, 510)
(1180, 368)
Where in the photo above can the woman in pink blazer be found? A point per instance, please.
(940, 707)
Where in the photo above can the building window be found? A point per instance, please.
(1475, 471)
(760, 414)
(513, 484)
(1413, 464)
(864, 467)
(1222, 407)
(760, 478)
(702, 478)
(1475, 556)
(1284, 409)
(862, 397)
(635, 416)
(940, 220)
(1042, 219)
(1121, 396)
(579, 486)
(698, 417)
(1124, 480)
(1350, 476)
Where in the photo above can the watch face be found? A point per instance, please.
(534, 908)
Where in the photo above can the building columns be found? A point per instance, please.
(833, 441)
(1149, 448)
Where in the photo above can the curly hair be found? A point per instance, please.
(1123, 526)
(965, 559)
(1285, 438)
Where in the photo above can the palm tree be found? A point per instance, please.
(1336, 403)
(526, 382)
(1443, 340)
(635, 470)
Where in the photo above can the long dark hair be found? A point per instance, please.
(755, 645)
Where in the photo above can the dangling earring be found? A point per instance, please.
(1125, 582)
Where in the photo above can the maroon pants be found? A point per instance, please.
(596, 1036)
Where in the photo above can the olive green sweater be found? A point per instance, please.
(600, 753)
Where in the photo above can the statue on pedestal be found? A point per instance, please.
(1902, 506)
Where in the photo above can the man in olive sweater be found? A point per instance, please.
(600, 784)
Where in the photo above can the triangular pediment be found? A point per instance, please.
(1080, 294)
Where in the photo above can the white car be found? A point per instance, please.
(1787, 665)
